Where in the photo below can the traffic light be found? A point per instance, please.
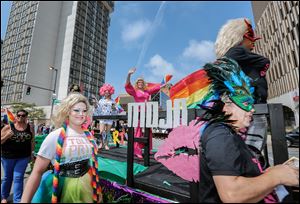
(28, 90)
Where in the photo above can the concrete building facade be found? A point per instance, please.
(277, 22)
(70, 36)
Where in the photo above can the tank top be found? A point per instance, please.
(18, 145)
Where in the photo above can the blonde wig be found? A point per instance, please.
(140, 79)
(64, 108)
(230, 35)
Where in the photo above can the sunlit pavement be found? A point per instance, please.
(293, 151)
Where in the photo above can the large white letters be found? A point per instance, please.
(180, 106)
(174, 118)
(152, 114)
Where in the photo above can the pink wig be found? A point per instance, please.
(106, 87)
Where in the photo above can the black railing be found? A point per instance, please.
(279, 147)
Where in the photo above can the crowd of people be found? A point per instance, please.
(229, 172)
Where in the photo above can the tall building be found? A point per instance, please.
(162, 96)
(277, 22)
(70, 36)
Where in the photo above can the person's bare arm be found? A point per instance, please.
(34, 179)
(6, 133)
(130, 72)
(238, 189)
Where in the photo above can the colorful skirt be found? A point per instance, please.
(71, 190)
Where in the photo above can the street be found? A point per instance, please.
(293, 151)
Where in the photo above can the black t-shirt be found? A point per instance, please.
(223, 153)
(19, 145)
(252, 64)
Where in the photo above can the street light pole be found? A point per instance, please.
(54, 90)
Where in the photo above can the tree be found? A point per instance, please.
(33, 111)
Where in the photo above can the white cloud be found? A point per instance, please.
(135, 30)
(202, 51)
(159, 67)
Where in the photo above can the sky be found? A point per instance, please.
(160, 38)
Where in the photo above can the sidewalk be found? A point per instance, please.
(10, 198)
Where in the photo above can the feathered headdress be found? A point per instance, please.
(216, 79)
(205, 88)
(227, 78)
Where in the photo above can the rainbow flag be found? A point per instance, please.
(165, 80)
(151, 85)
(194, 87)
(10, 117)
(119, 107)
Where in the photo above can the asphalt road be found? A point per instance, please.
(293, 151)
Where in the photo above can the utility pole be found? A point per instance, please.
(54, 90)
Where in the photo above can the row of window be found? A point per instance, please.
(17, 45)
(284, 84)
(87, 74)
(11, 97)
(85, 69)
(89, 53)
(19, 70)
(20, 6)
(77, 64)
(16, 23)
(280, 45)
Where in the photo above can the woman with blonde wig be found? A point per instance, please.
(71, 149)
(236, 40)
(140, 94)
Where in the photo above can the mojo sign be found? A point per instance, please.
(147, 114)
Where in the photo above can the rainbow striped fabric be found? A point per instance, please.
(165, 80)
(10, 117)
(194, 87)
(119, 107)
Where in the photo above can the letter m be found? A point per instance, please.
(136, 113)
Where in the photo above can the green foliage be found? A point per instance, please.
(33, 111)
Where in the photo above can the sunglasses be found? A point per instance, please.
(21, 116)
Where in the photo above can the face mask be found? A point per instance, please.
(244, 102)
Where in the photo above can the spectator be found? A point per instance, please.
(17, 145)
(69, 149)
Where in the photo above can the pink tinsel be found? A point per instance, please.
(106, 87)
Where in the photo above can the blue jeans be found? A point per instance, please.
(14, 170)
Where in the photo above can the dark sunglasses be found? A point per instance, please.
(21, 116)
